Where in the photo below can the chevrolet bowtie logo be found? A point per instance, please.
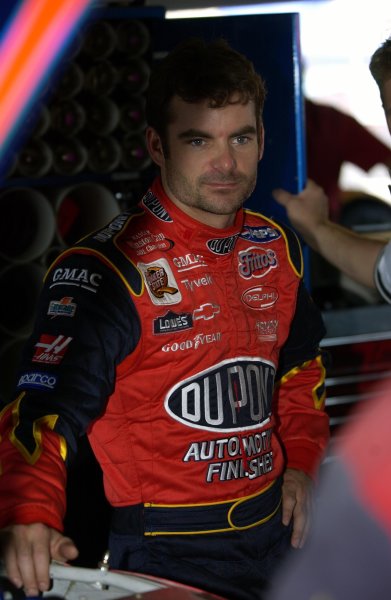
(206, 311)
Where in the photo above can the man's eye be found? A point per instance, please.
(196, 142)
(241, 139)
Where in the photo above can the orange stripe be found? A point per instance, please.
(31, 44)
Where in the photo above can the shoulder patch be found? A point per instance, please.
(272, 230)
(102, 244)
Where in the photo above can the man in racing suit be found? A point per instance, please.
(182, 340)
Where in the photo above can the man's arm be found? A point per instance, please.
(350, 252)
(66, 376)
(27, 551)
(301, 421)
(297, 504)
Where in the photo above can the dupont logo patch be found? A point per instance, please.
(235, 394)
(153, 205)
(222, 245)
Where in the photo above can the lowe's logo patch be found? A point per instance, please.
(172, 322)
(235, 394)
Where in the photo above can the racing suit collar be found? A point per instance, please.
(198, 235)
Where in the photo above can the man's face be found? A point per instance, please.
(213, 154)
(386, 97)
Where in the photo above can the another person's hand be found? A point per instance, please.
(27, 551)
(297, 504)
(306, 211)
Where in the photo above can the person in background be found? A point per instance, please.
(347, 556)
(365, 260)
(332, 139)
(182, 340)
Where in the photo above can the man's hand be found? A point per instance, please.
(307, 211)
(27, 551)
(297, 504)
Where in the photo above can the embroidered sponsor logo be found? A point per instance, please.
(234, 457)
(42, 381)
(234, 394)
(260, 298)
(153, 205)
(206, 311)
(76, 277)
(160, 282)
(188, 262)
(146, 242)
(193, 284)
(222, 245)
(201, 339)
(260, 235)
(62, 308)
(172, 322)
(256, 262)
(112, 228)
(50, 349)
(267, 330)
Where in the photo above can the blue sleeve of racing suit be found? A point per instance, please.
(86, 325)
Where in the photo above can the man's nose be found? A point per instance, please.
(224, 159)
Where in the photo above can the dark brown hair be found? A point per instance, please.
(197, 71)
(380, 64)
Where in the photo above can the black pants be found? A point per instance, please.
(237, 565)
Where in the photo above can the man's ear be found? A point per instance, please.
(155, 146)
(261, 141)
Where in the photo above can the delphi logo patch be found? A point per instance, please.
(160, 282)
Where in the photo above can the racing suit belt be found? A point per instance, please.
(173, 519)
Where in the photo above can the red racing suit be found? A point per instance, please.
(188, 354)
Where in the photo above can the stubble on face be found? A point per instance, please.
(204, 194)
(210, 160)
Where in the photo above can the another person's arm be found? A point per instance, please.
(350, 252)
